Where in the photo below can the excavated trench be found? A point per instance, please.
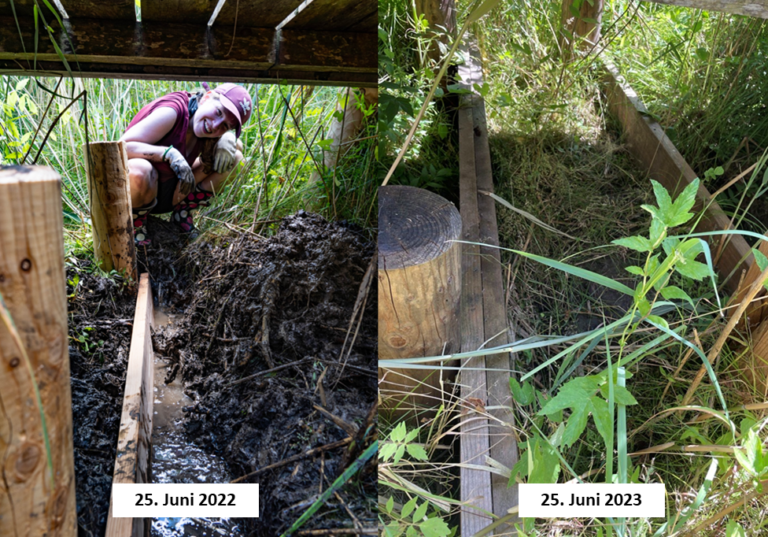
(229, 310)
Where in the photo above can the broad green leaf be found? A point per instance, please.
(399, 453)
(750, 455)
(572, 394)
(632, 269)
(658, 232)
(679, 212)
(398, 433)
(524, 394)
(762, 262)
(663, 199)
(644, 307)
(390, 505)
(387, 450)
(435, 527)
(637, 243)
(412, 532)
(734, 529)
(393, 529)
(675, 293)
(623, 396)
(417, 452)
(413, 433)
(659, 320)
(576, 422)
(651, 209)
(543, 463)
(692, 269)
(420, 512)
(409, 507)
(602, 417)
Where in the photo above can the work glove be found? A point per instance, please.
(181, 168)
(224, 156)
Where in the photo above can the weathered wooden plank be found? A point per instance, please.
(753, 8)
(503, 443)
(651, 146)
(172, 51)
(301, 50)
(250, 13)
(32, 286)
(333, 15)
(367, 25)
(133, 442)
(475, 484)
(123, 10)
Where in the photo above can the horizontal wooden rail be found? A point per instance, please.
(133, 443)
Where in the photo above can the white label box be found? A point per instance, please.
(592, 500)
(154, 500)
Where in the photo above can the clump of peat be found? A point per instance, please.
(253, 306)
(100, 319)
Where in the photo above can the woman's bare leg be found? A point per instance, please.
(143, 179)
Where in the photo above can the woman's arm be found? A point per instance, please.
(140, 139)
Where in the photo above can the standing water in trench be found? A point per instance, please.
(175, 459)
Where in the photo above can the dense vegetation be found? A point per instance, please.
(649, 385)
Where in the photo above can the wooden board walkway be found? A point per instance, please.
(483, 320)
(133, 441)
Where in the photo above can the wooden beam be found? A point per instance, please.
(35, 499)
(166, 51)
(333, 15)
(134, 439)
(122, 10)
(249, 13)
(109, 192)
(649, 144)
(752, 8)
(301, 50)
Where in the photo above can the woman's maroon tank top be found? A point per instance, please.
(177, 136)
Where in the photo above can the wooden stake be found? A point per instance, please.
(419, 287)
(110, 193)
(37, 492)
(133, 442)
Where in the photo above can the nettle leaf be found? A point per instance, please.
(435, 527)
(633, 269)
(663, 199)
(637, 243)
(675, 293)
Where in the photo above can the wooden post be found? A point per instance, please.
(441, 15)
(133, 441)
(110, 193)
(583, 28)
(37, 492)
(419, 288)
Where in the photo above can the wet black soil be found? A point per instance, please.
(100, 319)
(246, 305)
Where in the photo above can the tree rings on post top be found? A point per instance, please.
(415, 226)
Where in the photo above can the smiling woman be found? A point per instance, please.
(181, 148)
